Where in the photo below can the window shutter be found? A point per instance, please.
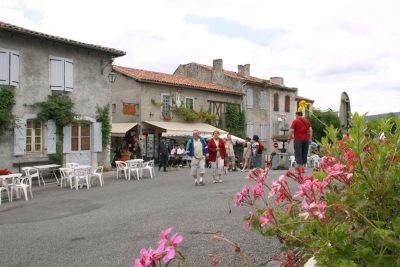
(97, 137)
(263, 100)
(67, 139)
(249, 129)
(249, 98)
(276, 102)
(287, 103)
(69, 75)
(4, 67)
(51, 137)
(20, 137)
(56, 73)
(263, 131)
(14, 68)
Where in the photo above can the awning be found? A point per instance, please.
(184, 128)
(120, 129)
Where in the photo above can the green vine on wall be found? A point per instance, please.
(58, 107)
(7, 101)
(235, 120)
(103, 116)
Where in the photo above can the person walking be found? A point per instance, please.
(231, 153)
(217, 154)
(196, 148)
(163, 152)
(301, 131)
(247, 154)
(257, 152)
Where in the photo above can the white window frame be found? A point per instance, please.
(10, 68)
(33, 138)
(249, 129)
(67, 83)
(162, 101)
(249, 100)
(189, 97)
(263, 131)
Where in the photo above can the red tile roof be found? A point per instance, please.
(157, 77)
(12, 28)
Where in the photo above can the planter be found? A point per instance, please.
(167, 117)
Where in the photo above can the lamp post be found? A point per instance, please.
(112, 76)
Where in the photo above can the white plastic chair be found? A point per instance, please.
(292, 161)
(82, 174)
(315, 160)
(98, 173)
(67, 174)
(21, 184)
(122, 167)
(33, 173)
(72, 165)
(134, 167)
(148, 166)
(4, 188)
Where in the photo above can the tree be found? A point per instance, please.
(319, 119)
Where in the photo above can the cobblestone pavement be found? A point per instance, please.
(107, 226)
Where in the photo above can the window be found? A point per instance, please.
(166, 101)
(287, 103)
(263, 100)
(80, 137)
(263, 135)
(114, 108)
(276, 102)
(61, 74)
(9, 67)
(249, 129)
(249, 98)
(33, 136)
(189, 102)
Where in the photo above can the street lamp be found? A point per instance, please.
(112, 76)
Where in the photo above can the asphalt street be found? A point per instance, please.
(107, 226)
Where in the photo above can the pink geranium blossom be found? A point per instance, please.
(267, 217)
(313, 209)
(280, 188)
(312, 189)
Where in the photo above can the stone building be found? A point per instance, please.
(142, 101)
(269, 105)
(35, 65)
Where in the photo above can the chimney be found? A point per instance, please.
(244, 70)
(217, 65)
(277, 81)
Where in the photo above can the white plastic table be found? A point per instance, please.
(50, 167)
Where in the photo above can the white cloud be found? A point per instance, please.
(324, 48)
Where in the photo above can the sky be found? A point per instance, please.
(323, 48)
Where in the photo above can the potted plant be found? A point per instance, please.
(167, 116)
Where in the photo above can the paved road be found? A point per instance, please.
(107, 226)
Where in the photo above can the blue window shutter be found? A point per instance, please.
(20, 137)
(97, 137)
(4, 67)
(67, 139)
(14, 68)
(51, 137)
(69, 75)
(57, 73)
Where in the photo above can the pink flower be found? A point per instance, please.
(267, 217)
(258, 191)
(280, 189)
(176, 239)
(239, 199)
(312, 189)
(249, 220)
(144, 260)
(214, 260)
(170, 254)
(164, 233)
(315, 208)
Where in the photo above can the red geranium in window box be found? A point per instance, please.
(5, 171)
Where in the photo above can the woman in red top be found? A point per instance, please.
(301, 132)
(217, 154)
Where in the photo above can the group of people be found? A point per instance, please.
(170, 155)
(220, 153)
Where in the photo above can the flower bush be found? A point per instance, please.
(345, 214)
(166, 252)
